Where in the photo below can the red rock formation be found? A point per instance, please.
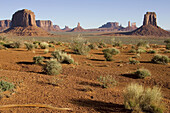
(23, 24)
(66, 29)
(56, 27)
(4, 24)
(150, 18)
(78, 28)
(45, 24)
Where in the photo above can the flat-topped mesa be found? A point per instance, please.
(150, 19)
(23, 18)
(4, 24)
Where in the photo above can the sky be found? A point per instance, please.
(90, 13)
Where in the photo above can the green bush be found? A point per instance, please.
(5, 86)
(112, 51)
(52, 67)
(38, 59)
(144, 44)
(80, 48)
(160, 59)
(168, 46)
(133, 61)
(117, 43)
(108, 56)
(93, 46)
(62, 57)
(151, 51)
(29, 46)
(12, 45)
(167, 41)
(51, 45)
(132, 51)
(107, 81)
(44, 45)
(101, 44)
(140, 99)
(141, 50)
(142, 73)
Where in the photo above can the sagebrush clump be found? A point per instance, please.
(160, 59)
(62, 57)
(107, 81)
(142, 73)
(29, 46)
(108, 53)
(38, 59)
(44, 45)
(140, 99)
(133, 61)
(80, 48)
(52, 67)
(5, 86)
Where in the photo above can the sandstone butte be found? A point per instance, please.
(23, 24)
(78, 28)
(150, 27)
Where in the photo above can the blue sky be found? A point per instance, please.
(90, 13)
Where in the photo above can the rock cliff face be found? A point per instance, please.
(66, 29)
(78, 28)
(23, 18)
(4, 24)
(110, 25)
(149, 27)
(45, 24)
(56, 27)
(150, 18)
(23, 24)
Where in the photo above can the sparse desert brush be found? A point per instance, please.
(167, 41)
(133, 61)
(116, 43)
(51, 45)
(108, 56)
(62, 57)
(132, 51)
(168, 46)
(5, 86)
(167, 51)
(46, 51)
(52, 67)
(112, 51)
(142, 73)
(160, 59)
(141, 50)
(36, 42)
(38, 59)
(152, 51)
(140, 99)
(107, 81)
(29, 46)
(101, 44)
(44, 45)
(93, 46)
(12, 45)
(144, 44)
(80, 48)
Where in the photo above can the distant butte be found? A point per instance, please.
(78, 28)
(24, 24)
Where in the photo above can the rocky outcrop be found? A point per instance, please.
(149, 27)
(23, 24)
(56, 27)
(78, 28)
(131, 26)
(150, 18)
(110, 25)
(66, 29)
(45, 24)
(23, 18)
(4, 24)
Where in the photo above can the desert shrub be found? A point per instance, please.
(44, 45)
(80, 48)
(141, 50)
(2, 38)
(140, 99)
(133, 61)
(143, 44)
(38, 59)
(132, 51)
(12, 45)
(117, 43)
(151, 51)
(52, 67)
(167, 51)
(168, 46)
(160, 59)
(101, 44)
(112, 51)
(107, 81)
(5, 86)
(36, 42)
(108, 56)
(46, 51)
(93, 46)
(51, 45)
(58, 43)
(62, 57)
(29, 46)
(2, 42)
(142, 73)
(167, 41)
